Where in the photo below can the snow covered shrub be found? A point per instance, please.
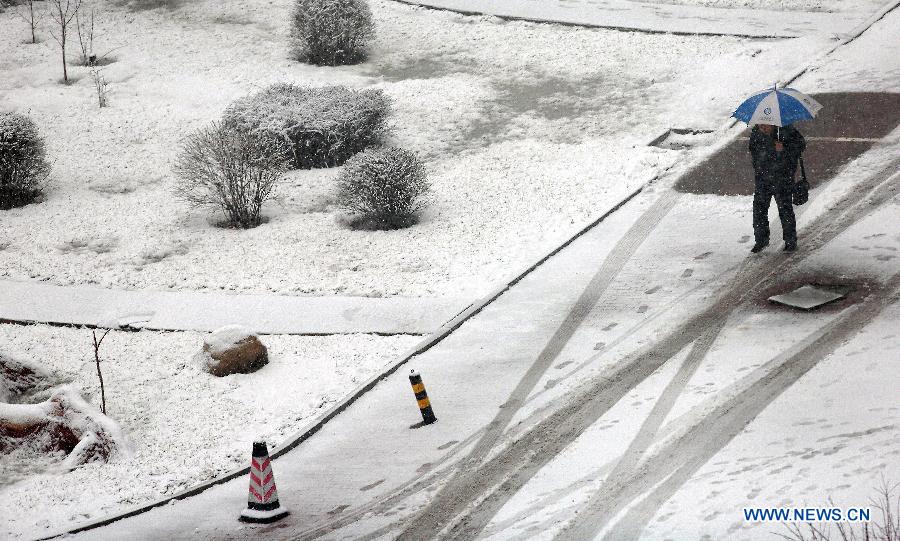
(331, 32)
(325, 126)
(232, 169)
(384, 188)
(23, 162)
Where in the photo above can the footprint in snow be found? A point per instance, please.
(642, 308)
(652, 290)
(560, 366)
(744, 239)
(597, 347)
(702, 256)
(610, 327)
(687, 273)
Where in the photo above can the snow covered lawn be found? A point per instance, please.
(528, 130)
(183, 425)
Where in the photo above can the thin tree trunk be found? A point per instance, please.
(62, 46)
(99, 373)
(31, 12)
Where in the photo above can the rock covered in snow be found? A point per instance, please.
(63, 423)
(232, 350)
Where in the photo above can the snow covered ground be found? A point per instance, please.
(528, 130)
(183, 425)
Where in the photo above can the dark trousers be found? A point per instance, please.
(761, 198)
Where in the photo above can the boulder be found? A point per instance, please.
(64, 423)
(232, 350)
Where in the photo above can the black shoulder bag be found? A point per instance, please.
(800, 195)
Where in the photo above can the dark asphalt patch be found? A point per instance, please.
(844, 120)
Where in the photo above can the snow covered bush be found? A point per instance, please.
(325, 126)
(233, 169)
(331, 32)
(383, 188)
(23, 163)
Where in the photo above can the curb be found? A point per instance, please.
(292, 442)
(589, 25)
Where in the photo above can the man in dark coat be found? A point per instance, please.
(775, 153)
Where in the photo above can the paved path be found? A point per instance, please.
(190, 311)
(662, 18)
(851, 123)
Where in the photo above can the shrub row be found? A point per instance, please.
(236, 164)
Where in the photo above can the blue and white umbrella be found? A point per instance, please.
(777, 106)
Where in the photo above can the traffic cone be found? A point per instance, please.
(262, 501)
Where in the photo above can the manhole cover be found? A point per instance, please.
(808, 297)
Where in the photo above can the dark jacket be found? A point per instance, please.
(775, 170)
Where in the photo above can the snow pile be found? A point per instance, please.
(33, 436)
(225, 338)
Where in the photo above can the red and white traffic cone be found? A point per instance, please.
(262, 501)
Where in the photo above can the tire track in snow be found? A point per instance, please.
(855, 206)
(454, 496)
(691, 450)
(463, 518)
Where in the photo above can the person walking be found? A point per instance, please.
(775, 153)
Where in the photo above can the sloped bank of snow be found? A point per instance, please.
(183, 425)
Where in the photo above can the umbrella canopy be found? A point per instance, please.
(777, 106)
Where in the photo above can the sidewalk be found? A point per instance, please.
(190, 311)
(662, 18)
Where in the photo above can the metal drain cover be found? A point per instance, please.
(807, 297)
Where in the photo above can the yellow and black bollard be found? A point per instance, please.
(422, 397)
